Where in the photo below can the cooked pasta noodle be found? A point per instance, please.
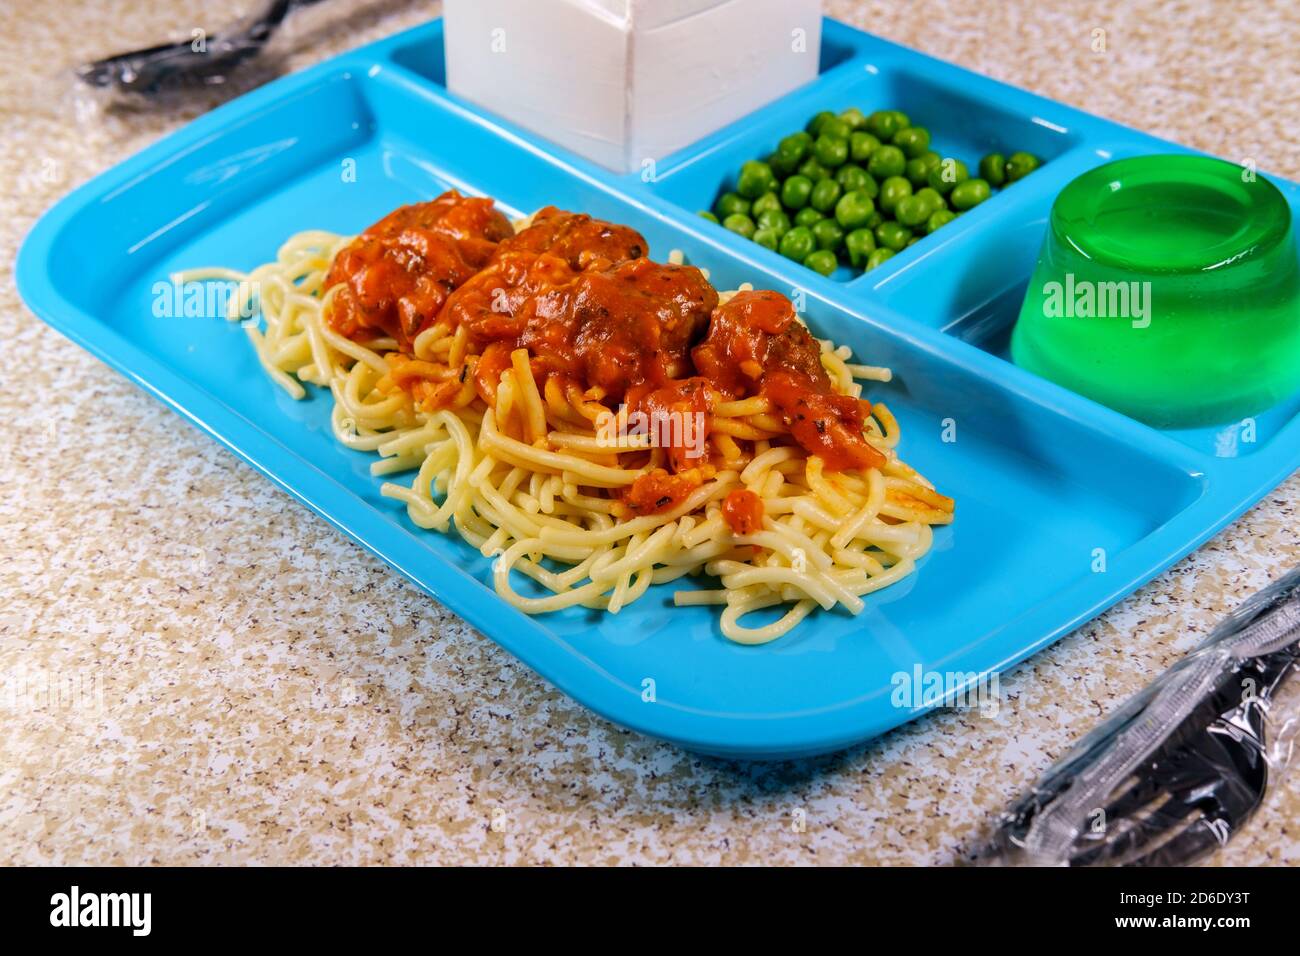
(533, 482)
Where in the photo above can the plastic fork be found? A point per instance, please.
(170, 65)
(1182, 766)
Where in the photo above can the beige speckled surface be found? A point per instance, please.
(281, 697)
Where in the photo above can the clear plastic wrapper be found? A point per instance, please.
(197, 66)
(1184, 764)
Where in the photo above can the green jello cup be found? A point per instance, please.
(1167, 288)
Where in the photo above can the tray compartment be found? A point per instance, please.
(982, 260)
(962, 124)
(973, 286)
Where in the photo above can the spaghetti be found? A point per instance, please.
(557, 482)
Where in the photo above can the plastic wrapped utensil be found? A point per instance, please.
(1183, 765)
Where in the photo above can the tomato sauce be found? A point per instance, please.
(743, 511)
(579, 294)
(756, 346)
(395, 277)
(677, 416)
(578, 239)
(658, 490)
(615, 328)
(825, 424)
(592, 310)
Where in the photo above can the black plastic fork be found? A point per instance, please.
(171, 65)
(1202, 785)
(1197, 765)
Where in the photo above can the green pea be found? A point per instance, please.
(892, 235)
(887, 161)
(892, 191)
(836, 128)
(807, 216)
(825, 195)
(939, 219)
(755, 178)
(911, 242)
(802, 139)
(969, 194)
(830, 151)
(886, 123)
(822, 261)
(875, 219)
(790, 152)
(828, 235)
(851, 176)
(740, 224)
(993, 169)
(729, 203)
(913, 141)
(795, 191)
(933, 197)
(705, 214)
(813, 170)
(763, 203)
(862, 145)
(880, 125)
(912, 211)
(877, 257)
(854, 208)
(859, 244)
(774, 219)
(854, 117)
(783, 164)
(916, 171)
(947, 174)
(869, 186)
(797, 243)
(1020, 165)
(767, 238)
(814, 126)
(795, 145)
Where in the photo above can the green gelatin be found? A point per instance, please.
(1168, 289)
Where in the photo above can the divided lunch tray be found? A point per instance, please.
(1063, 506)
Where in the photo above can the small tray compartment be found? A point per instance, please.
(962, 126)
(960, 284)
(973, 288)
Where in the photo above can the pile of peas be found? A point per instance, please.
(856, 188)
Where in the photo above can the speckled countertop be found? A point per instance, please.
(197, 669)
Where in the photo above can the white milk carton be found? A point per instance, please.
(622, 82)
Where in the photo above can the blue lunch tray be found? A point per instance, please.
(1063, 506)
